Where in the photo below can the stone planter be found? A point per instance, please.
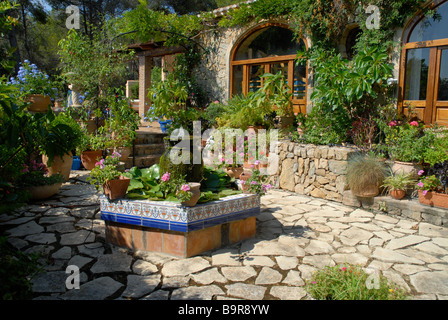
(39, 103)
(44, 191)
(115, 189)
(433, 199)
(195, 194)
(60, 165)
(89, 158)
(406, 167)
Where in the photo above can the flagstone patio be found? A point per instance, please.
(296, 235)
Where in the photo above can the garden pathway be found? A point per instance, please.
(296, 235)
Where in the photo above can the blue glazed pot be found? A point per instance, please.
(164, 125)
(76, 163)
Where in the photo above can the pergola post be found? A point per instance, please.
(145, 65)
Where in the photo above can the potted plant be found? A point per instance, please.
(122, 137)
(406, 143)
(91, 149)
(397, 183)
(61, 137)
(189, 194)
(169, 104)
(433, 188)
(35, 86)
(106, 174)
(37, 181)
(365, 175)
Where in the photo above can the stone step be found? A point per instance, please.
(149, 149)
(149, 138)
(143, 161)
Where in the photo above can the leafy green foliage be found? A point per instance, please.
(93, 65)
(62, 135)
(349, 282)
(399, 181)
(16, 272)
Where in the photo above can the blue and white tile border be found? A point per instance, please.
(172, 216)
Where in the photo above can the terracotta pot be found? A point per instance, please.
(39, 103)
(433, 199)
(397, 194)
(254, 129)
(234, 172)
(44, 191)
(60, 165)
(117, 188)
(125, 152)
(89, 158)
(244, 177)
(369, 191)
(248, 167)
(195, 194)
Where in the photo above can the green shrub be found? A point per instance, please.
(437, 150)
(349, 282)
(15, 272)
(322, 128)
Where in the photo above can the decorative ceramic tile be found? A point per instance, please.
(173, 216)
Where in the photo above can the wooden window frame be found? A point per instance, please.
(299, 105)
(428, 114)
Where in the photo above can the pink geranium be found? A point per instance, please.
(414, 123)
(185, 187)
(166, 177)
(393, 123)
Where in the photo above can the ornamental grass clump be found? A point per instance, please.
(349, 282)
(365, 175)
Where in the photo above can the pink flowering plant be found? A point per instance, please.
(105, 170)
(174, 188)
(406, 140)
(36, 174)
(257, 183)
(428, 183)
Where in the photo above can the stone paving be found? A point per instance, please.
(296, 235)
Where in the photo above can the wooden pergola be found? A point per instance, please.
(145, 53)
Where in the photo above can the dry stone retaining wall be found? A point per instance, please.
(317, 171)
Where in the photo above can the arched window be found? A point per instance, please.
(269, 49)
(424, 66)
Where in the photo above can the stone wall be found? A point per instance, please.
(317, 171)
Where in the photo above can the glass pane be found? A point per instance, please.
(443, 79)
(417, 62)
(299, 90)
(432, 28)
(282, 67)
(238, 79)
(255, 81)
(269, 42)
